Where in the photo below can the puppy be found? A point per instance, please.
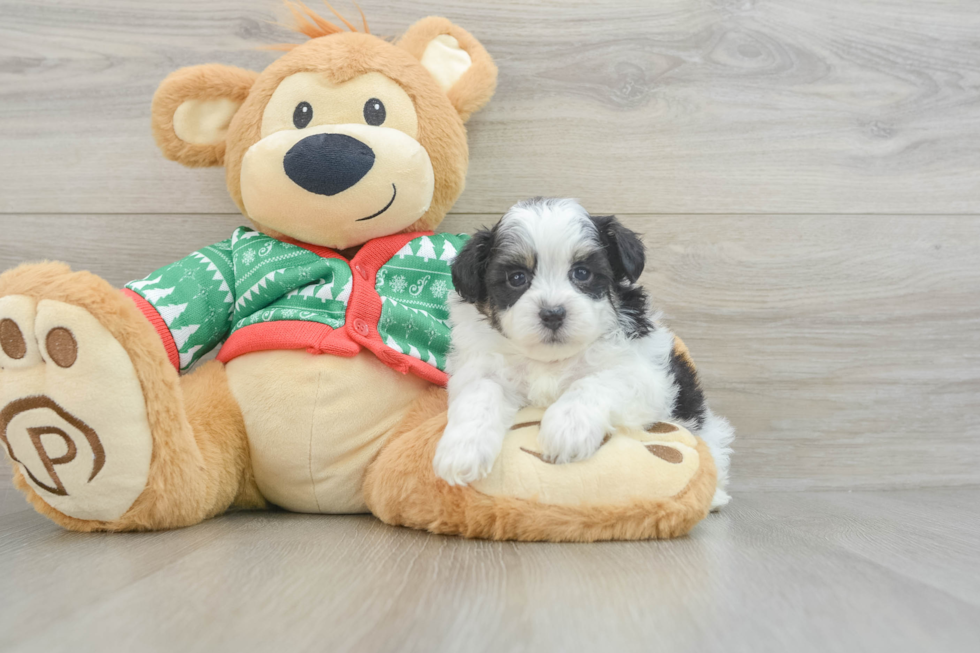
(546, 312)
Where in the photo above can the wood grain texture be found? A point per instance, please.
(680, 106)
(845, 350)
(930, 537)
(775, 572)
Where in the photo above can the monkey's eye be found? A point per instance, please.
(374, 112)
(517, 279)
(581, 273)
(302, 115)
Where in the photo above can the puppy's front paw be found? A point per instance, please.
(570, 432)
(464, 455)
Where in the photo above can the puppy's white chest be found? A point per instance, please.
(544, 385)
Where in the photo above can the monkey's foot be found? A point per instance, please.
(73, 416)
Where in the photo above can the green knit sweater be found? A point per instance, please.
(253, 292)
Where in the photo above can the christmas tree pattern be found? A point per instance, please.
(194, 296)
(278, 281)
(252, 278)
(247, 279)
(414, 287)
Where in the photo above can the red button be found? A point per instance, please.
(361, 327)
(361, 271)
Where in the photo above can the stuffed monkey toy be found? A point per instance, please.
(330, 315)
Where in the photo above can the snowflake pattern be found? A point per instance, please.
(248, 257)
(439, 289)
(399, 284)
(288, 312)
(415, 286)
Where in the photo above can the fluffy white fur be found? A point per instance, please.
(592, 379)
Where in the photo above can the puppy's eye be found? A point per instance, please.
(302, 115)
(581, 273)
(374, 112)
(517, 279)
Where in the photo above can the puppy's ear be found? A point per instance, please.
(623, 246)
(470, 266)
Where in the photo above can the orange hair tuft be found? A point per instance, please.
(314, 26)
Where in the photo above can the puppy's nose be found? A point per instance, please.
(552, 316)
(327, 164)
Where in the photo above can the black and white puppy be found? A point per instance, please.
(547, 313)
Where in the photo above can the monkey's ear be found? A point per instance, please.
(470, 266)
(192, 109)
(461, 66)
(623, 246)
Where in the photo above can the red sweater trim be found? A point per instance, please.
(364, 308)
(146, 308)
(314, 337)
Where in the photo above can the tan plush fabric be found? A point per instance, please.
(204, 122)
(397, 189)
(339, 103)
(315, 422)
(210, 82)
(475, 88)
(341, 59)
(622, 470)
(290, 210)
(446, 61)
(401, 488)
(197, 467)
(85, 447)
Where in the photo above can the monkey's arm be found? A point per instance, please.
(190, 302)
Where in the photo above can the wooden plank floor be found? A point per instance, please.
(805, 174)
(823, 571)
(676, 106)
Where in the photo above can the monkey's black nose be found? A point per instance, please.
(552, 317)
(327, 164)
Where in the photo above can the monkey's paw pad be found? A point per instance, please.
(72, 413)
(630, 465)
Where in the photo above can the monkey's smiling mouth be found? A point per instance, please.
(394, 193)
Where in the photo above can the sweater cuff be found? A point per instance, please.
(146, 308)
